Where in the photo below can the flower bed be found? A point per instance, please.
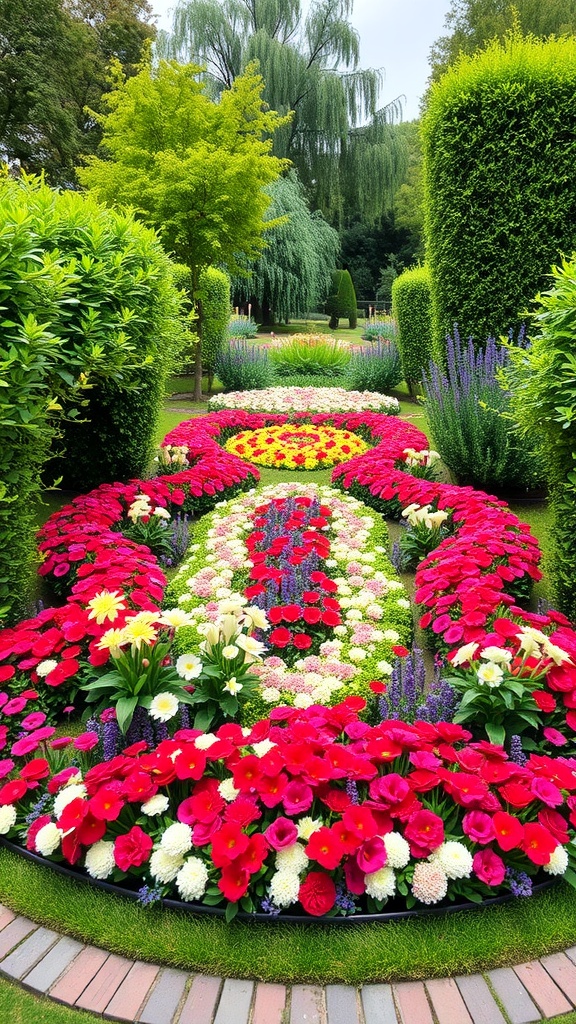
(305, 400)
(296, 447)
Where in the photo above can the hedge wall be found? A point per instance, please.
(214, 288)
(499, 139)
(411, 310)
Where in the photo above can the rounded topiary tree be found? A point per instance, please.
(499, 139)
(342, 300)
(412, 312)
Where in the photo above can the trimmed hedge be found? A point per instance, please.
(499, 137)
(342, 300)
(214, 289)
(411, 308)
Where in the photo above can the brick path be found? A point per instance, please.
(126, 990)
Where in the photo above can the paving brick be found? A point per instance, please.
(28, 953)
(133, 991)
(378, 1004)
(447, 1002)
(412, 1003)
(6, 916)
(235, 1002)
(548, 998)
(342, 1005)
(51, 966)
(78, 975)
(100, 990)
(513, 996)
(12, 935)
(563, 971)
(201, 1000)
(162, 1004)
(307, 1005)
(481, 1004)
(269, 1004)
(571, 953)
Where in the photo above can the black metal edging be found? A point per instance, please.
(201, 909)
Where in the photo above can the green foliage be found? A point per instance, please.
(376, 367)
(313, 355)
(384, 328)
(342, 300)
(293, 274)
(243, 367)
(499, 140)
(412, 312)
(543, 402)
(242, 327)
(214, 293)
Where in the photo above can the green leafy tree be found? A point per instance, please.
(340, 141)
(193, 168)
(294, 272)
(472, 23)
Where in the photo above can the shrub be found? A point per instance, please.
(468, 413)
(375, 367)
(411, 309)
(214, 288)
(385, 329)
(242, 327)
(311, 354)
(499, 139)
(243, 367)
(342, 300)
(543, 400)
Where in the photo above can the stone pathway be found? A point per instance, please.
(92, 979)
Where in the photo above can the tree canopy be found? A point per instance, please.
(339, 140)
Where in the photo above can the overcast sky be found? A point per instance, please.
(394, 34)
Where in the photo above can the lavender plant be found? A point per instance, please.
(469, 416)
(385, 329)
(243, 367)
(406, 698)
(376, 367)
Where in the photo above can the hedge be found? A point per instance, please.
(342, 300)
(411, 310)
(214, 288)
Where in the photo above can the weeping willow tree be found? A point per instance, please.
(294, 273)
(341, 143)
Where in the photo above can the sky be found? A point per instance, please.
(394, 34)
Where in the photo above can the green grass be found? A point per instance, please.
(425, 947)
(20, 1007)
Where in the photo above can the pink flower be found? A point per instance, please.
(489, 867)
(86, 741)
(281, 833)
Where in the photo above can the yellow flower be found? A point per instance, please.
(112, 641)
(106, 605)
(140, 630)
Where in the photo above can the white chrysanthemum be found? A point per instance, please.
(381, 884)
(164, 867)
(205, 741)
(99, 862)
(228, 790)
(357, 654)
(397, 850)
(177, 839)
(284, 888)
(430, 883)
(270, 694)
(403, 602)
(263, 747)
(303, 701)
(454, 859)
(391, 635)
(385, 668)
(192, 879)
(340, 630)
(66, 795)
(188, 666)
(48, 839)
(7, 818)
(307, 826)
(163, 707)
(292, 858)
(45, 667)
(558, 861)
(155, 805)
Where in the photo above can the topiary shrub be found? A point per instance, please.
(412, 312)
(214, 294)
(342, 300)
(499, 137)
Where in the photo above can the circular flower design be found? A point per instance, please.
(296, 447)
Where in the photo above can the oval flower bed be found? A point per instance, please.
(305, 400)
(296, 447)
(331, 810)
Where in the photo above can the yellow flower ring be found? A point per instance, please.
(293, 447)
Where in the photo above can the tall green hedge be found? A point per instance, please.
(214, 288)
(342, 300)
(412, 312)
(499, 137)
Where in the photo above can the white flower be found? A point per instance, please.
(263, 747)
(250, 645)
(454, 859)
(292, 858)
(230, 652)
(385, 668)
(270, 694)
(391, 635)
(99, 861)
(381, 884)
(175, 618)
(205, 741)
(48, 839)
(161, 513)
(397, 850)
(155, 805)
(464, 654)
(490, 674)
(66, 795)
(45, 667)
(257, 617)
(403, 602)
(227, 790)
(303, 701)
(498, 655)
(284, 888)
(429, 884)
(164, 866)
(232, 686)
(177, 839)
(558, 861)
(163, 707)
(192, 879)
(356, 654)
(307, 826)
(7, 818)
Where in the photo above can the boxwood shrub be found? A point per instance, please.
(412, 312)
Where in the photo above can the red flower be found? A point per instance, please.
(106, 804)
(325, 847)
(13, 791)
(424, 832)
(302, 641)
(317, 893)
(509, 831)
(280, 637)
(228, 844)
(132, 849)
(538, 844)
(545, 701)
(400, 651)
(377, 686)
(234, 882)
